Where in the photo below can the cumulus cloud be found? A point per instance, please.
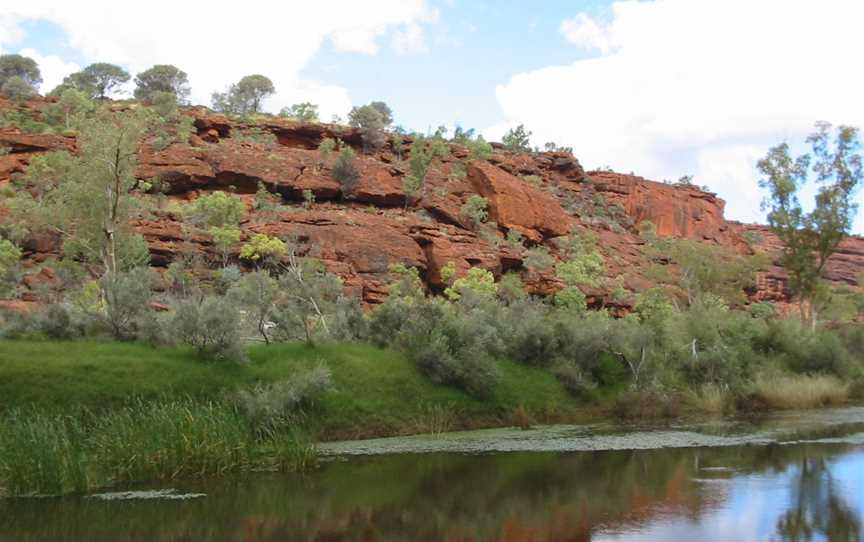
(219, 43)
(698, 87)
(585, 32)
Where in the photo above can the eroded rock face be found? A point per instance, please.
(360, 234)
(676, 210)
(516, 204)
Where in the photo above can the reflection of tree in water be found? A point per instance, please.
(817, 508)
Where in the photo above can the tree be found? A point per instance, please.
(811, 238)
(258, 292)
(101, 78)
(162, 78)
(21, 67)
(224, 238)
(371, 119)
(245, 96)
(310, 293)
(517, 139)
(305, 112)
(383, 110)
(71, 108)
(16, 88)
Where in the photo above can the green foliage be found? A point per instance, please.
(475, 210)
(584, 265)
(345, 171)
(96, 80)
(311, 296)
(304, 112)
(20, 68)
(71, 110)
(17, 89)
(479, 149)
(244, 97)
(263, 249)
(10, 255)
(654, 305)
(308, 198)
(326, 146)
(279, 404)
(571, 298)
(810, 238)
(517, 139)
(538, 259)
(477, 282)
(162, 78)
(408, 284)
(225, 238)
(533, 180)
(126, 295)
(371, 120)
(258, 293)
(210, 324)
(218, 209)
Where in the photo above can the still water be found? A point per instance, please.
(783, 479)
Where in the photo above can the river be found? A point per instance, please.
(786, 477)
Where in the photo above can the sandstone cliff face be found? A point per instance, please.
(361, 234)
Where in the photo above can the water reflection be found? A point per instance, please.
(818, 510)
(795, 492)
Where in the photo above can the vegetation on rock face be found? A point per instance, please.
(244, 97)
(305, 112)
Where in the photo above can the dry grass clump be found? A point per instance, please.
(801, 391)
(645, 404)
(710, 398)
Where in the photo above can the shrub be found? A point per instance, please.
(211, 326)
(645, 404)
(475, 210)
(269, 406)
(345, 171)
(126, 295)
(371, 119)
(517, 139)
(218, 209)
(478, 281)
(263, 249)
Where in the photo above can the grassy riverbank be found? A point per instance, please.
(375, 392)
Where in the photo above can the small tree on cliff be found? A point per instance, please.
(162, 78)
(810, 238)
(517, 139)
(245, 96)
(21, 67)
(96, 80)
(371, 119)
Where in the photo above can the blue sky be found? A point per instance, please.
(662, 88)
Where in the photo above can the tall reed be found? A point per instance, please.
(41, 454)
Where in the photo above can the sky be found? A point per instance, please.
(662, 88)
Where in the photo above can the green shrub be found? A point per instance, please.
(270, 406)
(345, 171)
(211, 325)
(475, 210)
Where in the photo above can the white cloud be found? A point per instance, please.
(696, 86)
(409, 39)
(220, 43)
(584, 31)
(52, 67)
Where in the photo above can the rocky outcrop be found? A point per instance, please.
(360, 232)
(515, 204)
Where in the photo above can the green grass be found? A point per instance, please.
(377, 392)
